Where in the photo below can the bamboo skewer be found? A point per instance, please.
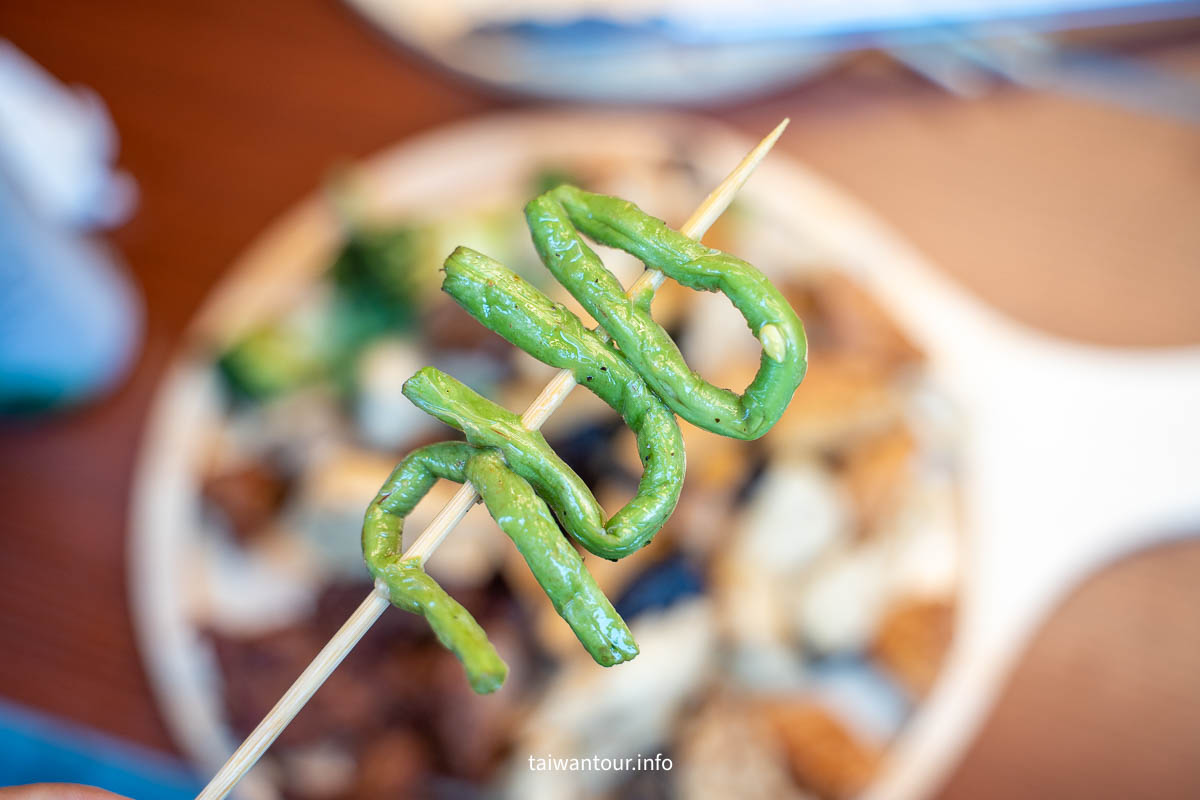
(556, 391)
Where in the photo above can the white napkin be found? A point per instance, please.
(57, 147)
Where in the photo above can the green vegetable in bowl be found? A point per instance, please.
(375, 284)
(269, 361)
(374, 294)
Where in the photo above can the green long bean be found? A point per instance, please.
(640, 374)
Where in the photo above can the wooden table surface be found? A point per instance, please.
(1079, 219)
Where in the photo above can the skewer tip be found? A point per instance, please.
(769, 140)
(719, 199)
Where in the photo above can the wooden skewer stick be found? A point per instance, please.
(377, 601)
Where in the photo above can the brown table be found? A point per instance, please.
(1079, 219)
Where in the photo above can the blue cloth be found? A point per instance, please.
(35, 748)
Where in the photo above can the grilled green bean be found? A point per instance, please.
(640, 374)
(619, 223)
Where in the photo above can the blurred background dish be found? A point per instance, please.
(706, 51)
(805, 588)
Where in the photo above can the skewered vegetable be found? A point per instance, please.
(640, 373)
